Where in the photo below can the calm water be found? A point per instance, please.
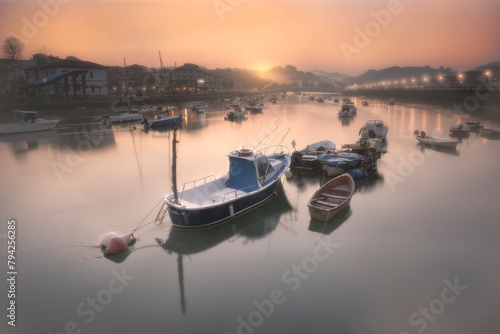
(417, 251)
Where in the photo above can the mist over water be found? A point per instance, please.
(417, 250)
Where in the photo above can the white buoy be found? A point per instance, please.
(288, 174)
(107, 238)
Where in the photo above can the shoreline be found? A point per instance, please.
(478, 103)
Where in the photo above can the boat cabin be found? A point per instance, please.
(249, 171)
(25, 116)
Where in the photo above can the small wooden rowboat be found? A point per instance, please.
(331, 198)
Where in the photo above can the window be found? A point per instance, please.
(91, 74)
(264, 166)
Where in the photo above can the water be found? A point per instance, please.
(426, 221)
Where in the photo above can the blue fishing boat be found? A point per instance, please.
(164, 121)
(253, 178)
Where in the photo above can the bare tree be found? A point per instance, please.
(12, 47)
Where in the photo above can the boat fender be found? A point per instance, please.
(231, 210)
(356, 173)
(288, 174)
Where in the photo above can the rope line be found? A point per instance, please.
(137, 227)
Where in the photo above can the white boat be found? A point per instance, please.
(490, 133)
(365, 103)
(27, 121)
(435, 142)
(391, 102)
(252, 179)
(347, 110)
(200, 108)
(474, 126)
(236, 113)
(374, 129)
(459, 130)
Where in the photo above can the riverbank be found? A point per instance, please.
(481, 102)
(94, 107)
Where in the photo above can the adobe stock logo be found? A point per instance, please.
(372, 29)
(49, 9)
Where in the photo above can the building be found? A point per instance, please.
(13, 75)
(192, 79)
(68, 77)
(138, 80)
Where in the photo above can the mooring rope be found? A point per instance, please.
(139, 226)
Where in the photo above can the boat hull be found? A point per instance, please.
(197, 217)
(165, 121)
(324, 205)
(39, 125)
(438, 142)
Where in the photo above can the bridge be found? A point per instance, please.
(274, 87)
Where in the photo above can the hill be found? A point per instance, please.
(399, 73)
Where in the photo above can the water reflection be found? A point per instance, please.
(253, 225)
(24, 142)
(85, 137)
(346, 121)
(445, 150)
(331, 225)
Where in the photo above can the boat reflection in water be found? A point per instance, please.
(252, 225)
(331, 225)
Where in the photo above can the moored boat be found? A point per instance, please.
(435, 142)
(333, 197)
(307, 159)
(235, 114)
(252, 179)
(160, 121)
(347, 110)
(459, 130)
(474, 126)
(27, 121)
(199, 108)
(490, 133)
(374, 129)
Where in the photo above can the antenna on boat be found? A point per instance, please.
(174, 167)
(264, 138)
(279, 144)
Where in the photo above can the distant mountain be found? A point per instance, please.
(332, 76)
(284, 76)
(482, 67)
(398, 73)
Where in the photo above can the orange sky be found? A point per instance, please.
(254, 34)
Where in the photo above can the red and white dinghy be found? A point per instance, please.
(115, 244)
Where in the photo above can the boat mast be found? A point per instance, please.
(174, 167)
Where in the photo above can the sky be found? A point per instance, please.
(345, 36)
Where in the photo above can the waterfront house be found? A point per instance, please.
(68, 77)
